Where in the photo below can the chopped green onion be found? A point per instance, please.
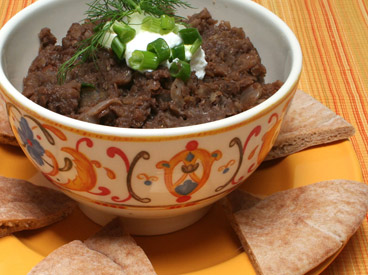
(118, 47)
(175, 29)
(167, 24)
(180, 69)
(87, 85)
(190, 35)
(178, 52)
(125, 32)
(195, 46)
(143, 60)
(151, 24)
(160, 48)
(106, 39)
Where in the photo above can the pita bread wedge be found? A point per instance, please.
(75, 258)
(6, 134)
(25, 206)
(239, 200)
(293, 231)
(308, 123)
(114, 242)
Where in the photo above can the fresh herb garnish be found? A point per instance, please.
(104, 13)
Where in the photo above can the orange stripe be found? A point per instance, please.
(360, 249)
(346, 55)
(352, 83)
(331, 80)
(339, 57)
(363, 10)
(8, 13)
(320, 45)
(11, 7)
(364, 242)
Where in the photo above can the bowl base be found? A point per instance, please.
(147, 226)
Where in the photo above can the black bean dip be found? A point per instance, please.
(108, 92)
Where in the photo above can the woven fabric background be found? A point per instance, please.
(334, 38)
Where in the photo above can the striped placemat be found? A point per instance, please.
(334, 38)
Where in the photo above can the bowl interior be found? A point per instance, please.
(22, 44)
(277, 46)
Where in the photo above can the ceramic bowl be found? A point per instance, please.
(159, 180)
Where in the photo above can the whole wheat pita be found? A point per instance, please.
(293, 231)
(25, 206)
(6, 134)
(75, 258)
(116, 243)
(239, 200)
(308, 123)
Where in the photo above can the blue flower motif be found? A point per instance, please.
(148, 182)
(32, 145)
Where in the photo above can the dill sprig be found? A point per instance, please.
(103, 13)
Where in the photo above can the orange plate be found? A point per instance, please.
(208, 247)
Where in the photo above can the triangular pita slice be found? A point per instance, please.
(75, 258)
(308, 123)
(239, 200)
(6, 134)
(293, 231)
(25, 206)
(116, 243)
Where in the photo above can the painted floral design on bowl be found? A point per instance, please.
(129, 174)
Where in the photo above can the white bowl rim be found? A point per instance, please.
(288, 85)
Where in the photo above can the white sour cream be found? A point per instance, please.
(142, 38)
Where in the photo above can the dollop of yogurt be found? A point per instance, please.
(142, 38)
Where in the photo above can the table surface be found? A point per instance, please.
(334, 38)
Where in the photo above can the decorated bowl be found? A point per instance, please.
(158, 180)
